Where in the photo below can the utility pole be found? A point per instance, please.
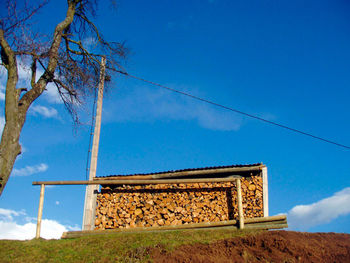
(91, 190)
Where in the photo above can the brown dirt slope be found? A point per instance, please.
(271, 246)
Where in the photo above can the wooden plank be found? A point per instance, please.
(208, 172)
(67, 235)
(265, 219)
(128, 177)
(281, 222)
(40, 211)
(171, 227)
(77, 234)
(229, 171)
(132, 182)
(281, 219)
(217, 225)
(239, 204)
(262, 227)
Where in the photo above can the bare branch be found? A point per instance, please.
(69, 64)
(70, 91)
(28, 13)
(7, 54)
(92, 25)
(66, 57)
(48, 75)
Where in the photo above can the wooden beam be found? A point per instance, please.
(248, 221)
(266, 226)
(265, 219)
(239, 204)
(40, 211)
(274, 222)
(128, 177)
(78, 234)
(229, 170)
(132, 182)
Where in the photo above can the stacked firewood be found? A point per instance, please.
(175, 204)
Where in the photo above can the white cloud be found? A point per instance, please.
(90, 43)
(24, 72)
(142, 105)
(47, 112)
(23, 149)
(49, 229)
(2, 92)
(57, 202)
(3, 72)
(7, 214)
(51, 94)
(29, 170)
(302, 217)
(2, 123)
(11, 229)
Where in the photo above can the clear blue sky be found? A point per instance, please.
(287, 61)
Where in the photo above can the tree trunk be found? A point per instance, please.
(9, 150)
(15, 107)
(14, 119)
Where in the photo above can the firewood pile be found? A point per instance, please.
(130, 206)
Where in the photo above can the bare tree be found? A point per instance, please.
(64, 58)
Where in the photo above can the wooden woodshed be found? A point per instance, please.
(189, 196)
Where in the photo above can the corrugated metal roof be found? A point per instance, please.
(185, 170)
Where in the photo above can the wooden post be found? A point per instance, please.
(40, 211)
(239, 204)
(90, 194)
(265, 192)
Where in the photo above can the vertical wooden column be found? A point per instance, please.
(239, 204)
(90, 194)
(40, 211)
(265, 192)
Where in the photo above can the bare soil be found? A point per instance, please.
(269, 246)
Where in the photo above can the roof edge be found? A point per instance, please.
(188, 172)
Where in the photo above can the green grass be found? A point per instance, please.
(115, 247)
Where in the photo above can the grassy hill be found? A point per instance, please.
(120, 247)
(219, 245)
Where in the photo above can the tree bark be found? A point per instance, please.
(15, 108)
(9, 146)
(9, 150)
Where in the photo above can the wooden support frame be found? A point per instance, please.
(181, 174)
(258, 223)
(232, 178)
(265, 191)
(239, 204)
(40, 211)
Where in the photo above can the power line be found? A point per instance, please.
(235, 110)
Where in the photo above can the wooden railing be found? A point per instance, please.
(232, 178)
